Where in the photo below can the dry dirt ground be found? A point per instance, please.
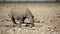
(46, 17)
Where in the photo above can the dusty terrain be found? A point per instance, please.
(46, 16)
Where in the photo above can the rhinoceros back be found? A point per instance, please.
(21, 12)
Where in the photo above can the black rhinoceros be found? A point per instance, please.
(21, 14)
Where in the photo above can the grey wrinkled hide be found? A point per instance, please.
(21, 14)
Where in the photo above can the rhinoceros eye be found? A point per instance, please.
(32, 16)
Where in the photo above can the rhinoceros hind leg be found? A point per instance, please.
(13, 20)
